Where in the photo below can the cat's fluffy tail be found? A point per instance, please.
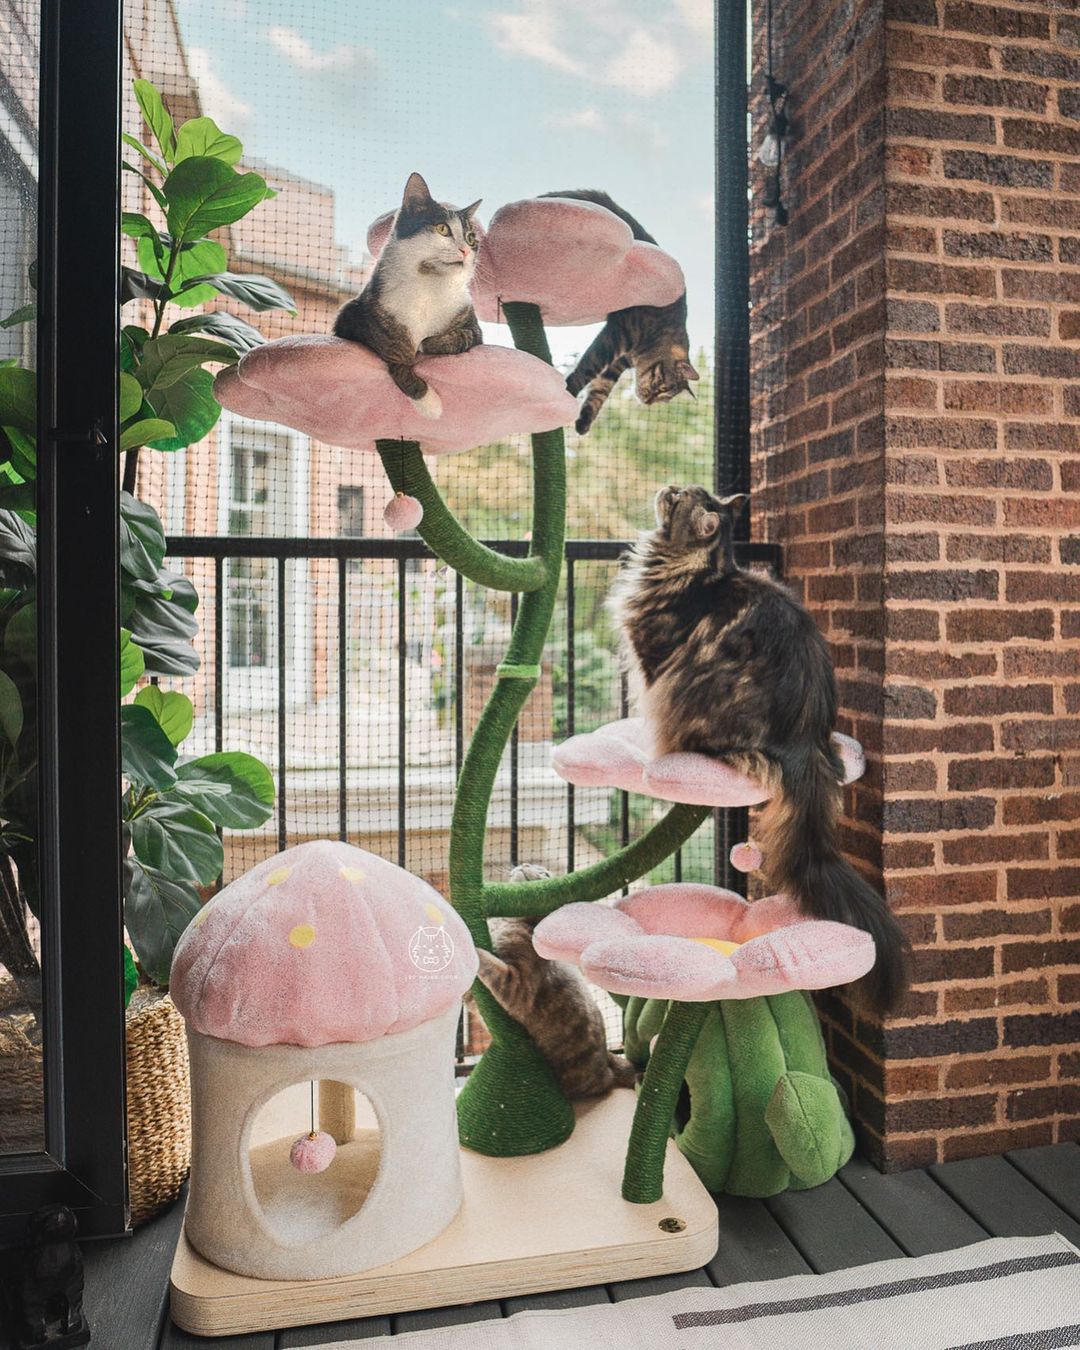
(802, 859)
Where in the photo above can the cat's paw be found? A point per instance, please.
(429, 405)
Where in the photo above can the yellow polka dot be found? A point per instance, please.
(434, 913)
(277, 877)
(352, 874)
(719, 945)
(303, 935)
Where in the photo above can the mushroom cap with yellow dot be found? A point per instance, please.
(323, 943)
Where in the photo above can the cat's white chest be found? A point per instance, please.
(425, 303)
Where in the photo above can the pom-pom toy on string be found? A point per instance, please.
(745, 857)
(403, 512)
(314, 1151)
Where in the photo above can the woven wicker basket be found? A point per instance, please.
(158, 1094)
(158, 1103)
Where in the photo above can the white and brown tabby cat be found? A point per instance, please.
(416, 302)
(553, 1003)
(731, 665)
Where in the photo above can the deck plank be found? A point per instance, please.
(139, 1265)
(1055, 1169)
(1002, 1199)
(913, 1209)
(753, 1246)
(658, 1284)
(831, 1229)
(557, 1298)
(172, 1338)
(446, 1317)
(356, 1329)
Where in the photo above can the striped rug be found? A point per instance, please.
(1004, 1294)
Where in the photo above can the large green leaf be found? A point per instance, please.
(159, 613)
(190, 406)
(156, 912)
(131, 396)
(146, 430)
(21, 497)
(204, 194)
(24, 314)
(131, 975)
(238, 333)
(173, 711)
(155, 191)
(21, 451)
(192, 261)
(179, 841)
(168, 358)
(138, 286)
(147, 754)
(257, 292)
(11, 709)
(18, 551)
(138, 227)
(203, 136)
(18, 399)
(234, 789)
(142, 538)
(20, 636)
(157, 117)
(132, 664)
(147, 154)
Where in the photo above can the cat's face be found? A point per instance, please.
(434, 236)
(692, 518)
(660, 378)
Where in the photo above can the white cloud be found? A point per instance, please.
(584, 119)
(533, 33)
(218, 101)
(299, 52)
(646, 65)
(696, 14)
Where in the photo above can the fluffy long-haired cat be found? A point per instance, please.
(552, 1002)
(416, 301)
(732, 665)
(652, 339)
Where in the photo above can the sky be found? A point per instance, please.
(499, 99)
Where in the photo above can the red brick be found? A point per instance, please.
(997, 1072)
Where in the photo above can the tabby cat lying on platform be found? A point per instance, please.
(651, 339)
(730, 664)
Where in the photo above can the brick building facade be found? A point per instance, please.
(916, 347)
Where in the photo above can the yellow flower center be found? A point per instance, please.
(719, 944)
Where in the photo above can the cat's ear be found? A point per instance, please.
(734, 504)
(469, 211)
(416, 196)
(686, 371)
(706, 524)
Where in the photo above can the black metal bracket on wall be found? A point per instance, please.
(83, 1162)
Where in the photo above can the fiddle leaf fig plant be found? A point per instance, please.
(173, 807)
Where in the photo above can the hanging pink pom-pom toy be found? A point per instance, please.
(745, 857)
(313, 1152)
(403, 512)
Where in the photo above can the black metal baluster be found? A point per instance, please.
(459, 671)
(624, 797)
(219, 675)
(402, 640)
(343, 702)
(514, 762)
(571, 719)
(283, 833)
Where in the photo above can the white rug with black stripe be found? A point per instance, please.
(1004, 1294)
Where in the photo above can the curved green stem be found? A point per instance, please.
(446, 536)
(643, 1177)
(511, 1103)
(532, 899)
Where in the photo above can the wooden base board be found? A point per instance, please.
(552, 1221)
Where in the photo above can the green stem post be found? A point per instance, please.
(643, 1177)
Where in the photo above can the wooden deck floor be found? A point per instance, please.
(858, 1217)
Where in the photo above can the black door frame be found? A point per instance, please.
(83, 1163)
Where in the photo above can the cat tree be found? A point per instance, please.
(565, 262)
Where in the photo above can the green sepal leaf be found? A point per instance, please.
(146, 753)
(205, 194)
(172, 711)
(157, 117)
(203, 136)
(177, 840)
(156, 912)
(234, 789)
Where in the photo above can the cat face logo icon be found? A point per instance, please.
(431, 950)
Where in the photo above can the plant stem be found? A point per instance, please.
(533, 899)
(446, 536)
(131, 460)
(643, 1177)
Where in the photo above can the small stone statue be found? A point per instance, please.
(48, 1286)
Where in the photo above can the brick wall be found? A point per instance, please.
(917, 449)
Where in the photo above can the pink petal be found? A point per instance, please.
(763, 916)
(341, 394)
(576, 260)
(687, 909)
(701, 781)
(565, 934)
(815, 954)
(659, 967)
(610, 757)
